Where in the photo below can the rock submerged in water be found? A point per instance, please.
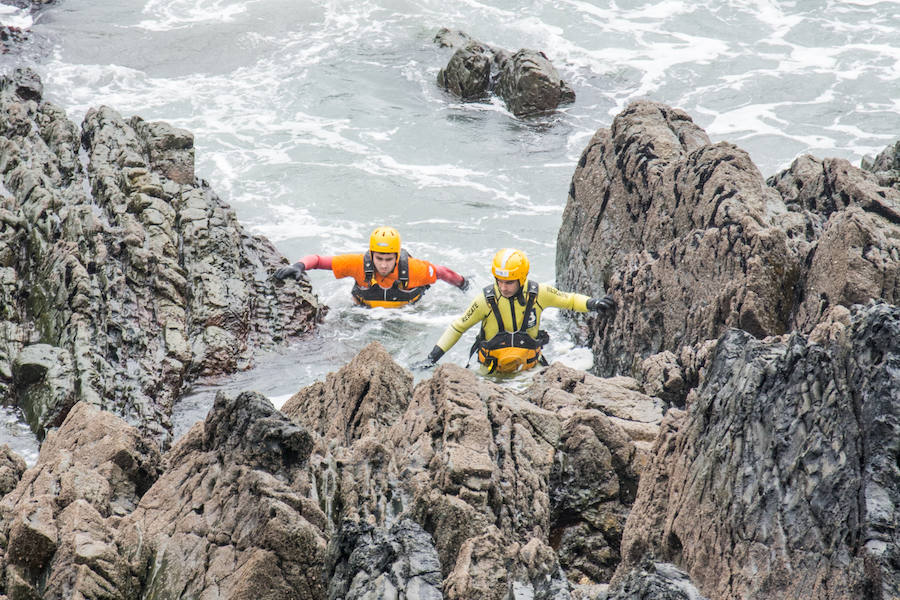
(526, 80)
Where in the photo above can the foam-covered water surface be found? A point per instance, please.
(319, 120)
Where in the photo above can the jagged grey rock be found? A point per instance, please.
(529, 84)
(133, 288)
(44, 378)
(479, 469)
(399, 562)
(690, 240)
(12, 466)
(58, 524)
(606, 424)
(655, 581)
(230, 516)
(886, 165)
(363, 398)
(781, 477)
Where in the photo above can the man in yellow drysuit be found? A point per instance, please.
(509, 312)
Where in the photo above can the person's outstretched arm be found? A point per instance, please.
(550, 296)
(451, 277)
(313, 261)
(476, 313)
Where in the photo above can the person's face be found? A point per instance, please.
(508, 289)
(384, 262)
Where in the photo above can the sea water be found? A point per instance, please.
(318, 120)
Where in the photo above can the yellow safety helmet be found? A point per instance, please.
(510, 264)
(385, 239)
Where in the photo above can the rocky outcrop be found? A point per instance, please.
(458, 488)
(12, 466)
(122, 276)
(784, 461)
(58, 525)
(745, 315)
(231, 516)
(529, 83)
(526, 80)
(226, 513)
(766, 309)
(886, 166)
(781, 478)
(507, 492)
(655, 581)
(691, 240)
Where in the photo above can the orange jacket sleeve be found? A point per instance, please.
(421, 272)
(349, 265)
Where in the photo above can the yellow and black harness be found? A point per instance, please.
(509, 352)
(398, 294)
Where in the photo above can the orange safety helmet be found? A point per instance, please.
(385, 239)
(510, 264)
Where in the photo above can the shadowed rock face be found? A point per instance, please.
(122, 277)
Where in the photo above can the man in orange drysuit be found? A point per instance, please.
(385, 276)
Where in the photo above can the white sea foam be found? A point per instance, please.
(165, 15)
(10, 16)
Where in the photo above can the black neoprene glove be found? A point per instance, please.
(295, 271)
(464, 285)
(433, 356)
(601, 304)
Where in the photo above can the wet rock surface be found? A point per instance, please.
(122, 276)
(526, 80)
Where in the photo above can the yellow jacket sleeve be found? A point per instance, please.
(550, 296)
(477, 311)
